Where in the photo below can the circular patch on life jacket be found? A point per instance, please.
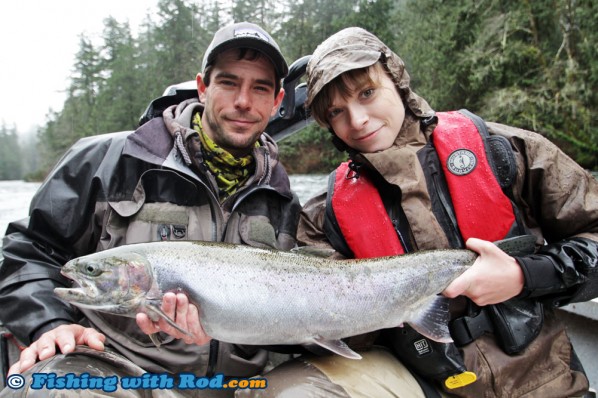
(461, 162)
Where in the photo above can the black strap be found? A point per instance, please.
(3, 358)
(466, 329)
(427, 387)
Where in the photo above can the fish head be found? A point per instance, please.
(116, 284)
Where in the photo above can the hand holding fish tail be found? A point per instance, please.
(186, 316)
(65, 337)
(495, 276)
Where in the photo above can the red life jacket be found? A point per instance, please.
(481, 207)
(361, 216)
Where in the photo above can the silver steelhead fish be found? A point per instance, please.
(265, 297)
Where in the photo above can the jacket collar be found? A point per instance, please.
(153, 143)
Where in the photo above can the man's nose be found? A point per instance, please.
(243, 99)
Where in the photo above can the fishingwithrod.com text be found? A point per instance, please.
(147, 381)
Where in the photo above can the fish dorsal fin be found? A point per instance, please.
(337, 346)
(313, 251)
(433, 321)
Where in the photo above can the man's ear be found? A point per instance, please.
(201, 88)
(277, 102)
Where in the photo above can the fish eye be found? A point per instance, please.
(92, 269)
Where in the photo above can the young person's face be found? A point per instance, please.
(370, 118)
(239, 101)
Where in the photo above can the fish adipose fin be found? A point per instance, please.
(433, 321)
(313, 251)
(337, 346)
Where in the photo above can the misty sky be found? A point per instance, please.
(39, 40)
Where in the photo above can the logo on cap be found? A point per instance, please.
(247, 32)
(461, 162)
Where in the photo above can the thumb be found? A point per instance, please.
(476, 245)
(458, 286)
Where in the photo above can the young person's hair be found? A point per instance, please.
(342, 85)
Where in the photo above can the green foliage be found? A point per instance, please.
(528, 64)
(120, 67)
(10, 154)
(531, 64)
(310, 151)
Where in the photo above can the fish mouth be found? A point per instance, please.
(75, 295)
(80, 297)
(82, 292)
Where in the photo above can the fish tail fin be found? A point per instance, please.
(433, 321)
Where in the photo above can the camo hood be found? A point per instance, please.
(354, 48)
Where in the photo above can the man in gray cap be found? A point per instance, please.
(203, 171)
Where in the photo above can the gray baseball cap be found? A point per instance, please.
(246, 35)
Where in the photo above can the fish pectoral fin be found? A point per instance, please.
(433, 322)
(154, 312)
(337, 346)
(156, 340)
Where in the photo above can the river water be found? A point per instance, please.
(16, 195)
(14, 201)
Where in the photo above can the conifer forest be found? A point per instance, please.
(530, 64)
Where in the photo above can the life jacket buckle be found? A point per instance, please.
(353, 170)
(466, 329)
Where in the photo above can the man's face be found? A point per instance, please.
(370, 119)
(239, 101)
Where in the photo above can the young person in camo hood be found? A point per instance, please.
(419, 180)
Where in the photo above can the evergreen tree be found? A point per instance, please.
(179, 41)
(10, 154)
(531, 64)
(76, 119)
(514, 62)
(122, 97)
(260, 12)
